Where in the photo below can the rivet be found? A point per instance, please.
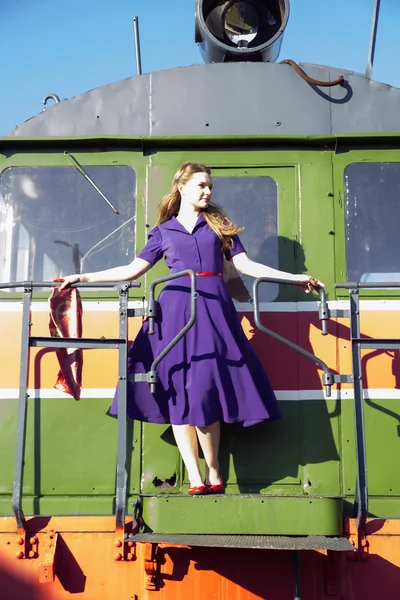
(118, 543)
(32, 554)
(33, 540)
(20, 541)
(118, 556)
(19, 554)
(131, 544)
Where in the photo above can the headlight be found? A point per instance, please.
(240, 29)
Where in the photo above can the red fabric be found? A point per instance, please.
(65, 320)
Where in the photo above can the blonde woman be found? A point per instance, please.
(212, 374)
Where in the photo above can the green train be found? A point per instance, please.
(307, 159)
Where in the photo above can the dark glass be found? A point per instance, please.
(252, 203)
(372, 216)
(53, 222)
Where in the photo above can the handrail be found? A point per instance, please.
(28, 341)
(153, 377)
(359, 285)
(40, 284)
(328, 378)
(357, 344)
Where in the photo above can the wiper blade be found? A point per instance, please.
(92, 183)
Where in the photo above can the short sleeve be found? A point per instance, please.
(237, 248)
(152, 252)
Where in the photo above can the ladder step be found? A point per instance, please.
(53, 342)
(267, 542)
(378, 343)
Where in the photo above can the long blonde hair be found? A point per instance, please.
(214, 215)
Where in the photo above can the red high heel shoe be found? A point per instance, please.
(197, 490)
(217, 488)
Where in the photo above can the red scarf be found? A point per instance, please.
(65, 320)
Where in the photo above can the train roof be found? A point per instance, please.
(236, 99)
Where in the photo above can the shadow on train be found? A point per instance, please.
(269, 574)
(15, 584)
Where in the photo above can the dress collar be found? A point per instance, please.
(174, 224)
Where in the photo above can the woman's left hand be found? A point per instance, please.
(309, 284)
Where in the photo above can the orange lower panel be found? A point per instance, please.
(86, 567)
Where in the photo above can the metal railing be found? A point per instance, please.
(359, 343)
(120, 343)
(328, 378)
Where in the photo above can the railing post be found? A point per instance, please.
(121, 475)
(361, 492)
(22, 410)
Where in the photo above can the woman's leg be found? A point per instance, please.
(186, 439)
(209, 441)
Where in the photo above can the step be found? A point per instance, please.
(266, 542)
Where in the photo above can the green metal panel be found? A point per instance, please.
(71, 450)
(387, 507)
(61, 505)
(273, 470)
(316, 205)
(237, 465)
(348, 444)
(298, 436)
(251, 461)
(381, 416)
(383, 447)
(262, 515)
(382, 442)
(161, 462)
(321, 447)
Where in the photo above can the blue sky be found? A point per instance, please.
(70, 47)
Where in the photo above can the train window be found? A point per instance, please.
(252, 203)
(54, 222)
(372, 214)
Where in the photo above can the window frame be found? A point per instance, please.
(341, 160)
(88, 157)
(285, 177)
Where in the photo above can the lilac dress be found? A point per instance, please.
(213, 373)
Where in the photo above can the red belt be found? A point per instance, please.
(206, 274)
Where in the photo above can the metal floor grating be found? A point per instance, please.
(267, 542)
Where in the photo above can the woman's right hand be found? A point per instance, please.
(67, 280)
(309, 284)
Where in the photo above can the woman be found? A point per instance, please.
(212, 374)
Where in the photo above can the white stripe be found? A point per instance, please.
(52, 393)
(284, 307)
(43, 307)
(272, 307)
(282, 395)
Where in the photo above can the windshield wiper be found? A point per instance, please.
(92, 183)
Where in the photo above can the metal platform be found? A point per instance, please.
(266, 542)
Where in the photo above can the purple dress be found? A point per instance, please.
(213, 373)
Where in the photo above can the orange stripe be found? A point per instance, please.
(282, 365)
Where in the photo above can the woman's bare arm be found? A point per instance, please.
(135, 269)
(248, 267)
